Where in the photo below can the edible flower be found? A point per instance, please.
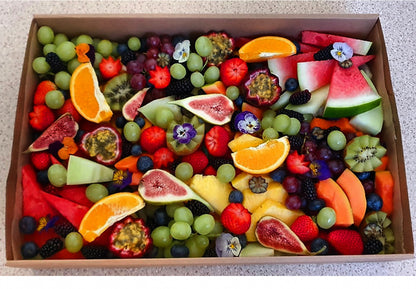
(182, 49)
(46, 223)
(121, 179)
(319, 170)
(85, 52)
(341, 51)
(226, 245)
(69, 148)
(247, 122)
(184, 133)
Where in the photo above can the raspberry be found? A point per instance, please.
(300, 97)
(51, 247)
(198, 161)
(55, 62)
(324, 54)
(40, 160)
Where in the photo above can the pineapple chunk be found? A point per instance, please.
(274, 192)
(240, 182)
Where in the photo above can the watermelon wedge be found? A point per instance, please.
(304, 48)
(74, 194)
(359, 46)
(349, 93)
(286, 67)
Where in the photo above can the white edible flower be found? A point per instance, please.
(182, 49)
(341, 51)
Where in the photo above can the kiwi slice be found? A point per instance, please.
(363, 153)
(117, 91)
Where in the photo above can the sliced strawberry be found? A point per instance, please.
(110, 67)
(69, 107)
(198, 160)
(236, 218)
(152, 139)
(160, 77)
(210, 171)
(216, 141)
(162, 158)
(296, 163)
(41, 90)
(40, 160)
(233, 71)
(41, 117)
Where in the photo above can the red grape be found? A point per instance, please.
(150, 64)
(291, 184)
(138, 81)
(152, 53)
(168, 48)
(293, 202)
(135, 67)
(368, 186)
(153, 41)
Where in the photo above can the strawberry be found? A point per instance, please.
(152, 139)
(162, 158)
(160, 77)
(346, 241)
(41, 90)
(305, 228)
(41, 117)
(296, 163)
(40, 160)
(216, 141)
(210, 171)
(233, 71)
(198, 161)
(69, 107)
(110, 67)
(236, 218)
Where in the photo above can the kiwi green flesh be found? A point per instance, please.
(363, 153)
(118, 91)
(389, 235)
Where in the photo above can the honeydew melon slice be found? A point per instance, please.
(151, 109)
(317, 101)
(84, 171)
(283, 100)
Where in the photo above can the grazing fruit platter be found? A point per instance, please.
(164, 146)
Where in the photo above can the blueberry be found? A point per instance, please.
(278, 175)
(179, 251)
(297, 47)
(121, 48)
(120, 122)
(374, 202)
(144, 164)
(364, 175)
(136, 150)
(79, 135)
(161, 217)
(316, 205)
(153, 252)
(291, 84)
(140, 121)
(318, 244)
(243, 240)
(239, 101)
(29, 250)
(27, 225)
(42, 177)
(235, 196)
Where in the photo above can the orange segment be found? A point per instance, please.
(266, 47)
(263, 158)
(106, 212)
(86, 95)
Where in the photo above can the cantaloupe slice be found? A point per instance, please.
(384, 187)
(335, 198)
(353, 188)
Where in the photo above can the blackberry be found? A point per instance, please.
(128, 56)
(180, 88)
(94, 252)
(300, 97)
(292, 113)
(51, 247)
(324, 54)
(210, 252)
(63, 229)
(296, 142)
(217, 162)
(308, 189)
(373, 246)
(197, 208)
(55, 62)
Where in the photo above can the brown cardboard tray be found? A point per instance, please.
(120, 27)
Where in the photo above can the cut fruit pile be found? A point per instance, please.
(164, 147)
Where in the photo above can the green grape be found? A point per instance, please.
(57, 175)
(105, 47)
(66, 51)
(226, 173)
(96, 192)
(269, 113)
(281, 122)
(267, 122)
(83, 38)
(59, 38)
(97, 61)
(184, 171)
(270, 133)
(294, 127)
(232, 92)
(197, 79)
(114, 53)
(161, 237)
(194, 62)
(180, 230)
(54, 99)
(218, 229)
(177, 71)
(73, 242)
(134, 43)
(194, 249)
(183, 214)
(202, 241)
(131, 131)
(336, 140)
(204, 224)
(171, 222)
(72, 65)
(212, 74)
(40, 65)
(49, 48)
(203, 46)
(164, 117)
(170, 208)
(45, 35)
(326, 218)
(62, 80)
(95, 42)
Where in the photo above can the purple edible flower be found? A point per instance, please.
(342, 51)
(184, 133)
(226, 245)
(319, 170)
(247, 122)
(121, 179)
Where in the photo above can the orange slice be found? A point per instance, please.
(86, 95)
(106, 212)
(266, 47)
(263, 158)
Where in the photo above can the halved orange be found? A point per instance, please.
(106, 212)
(266, 47)
(263, 158)
(86, 95)
(244, 141)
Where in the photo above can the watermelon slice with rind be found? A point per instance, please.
(360, 47)
(349, 93)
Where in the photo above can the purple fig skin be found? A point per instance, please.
(256, 98)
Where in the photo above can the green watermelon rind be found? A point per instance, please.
(335, 109)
